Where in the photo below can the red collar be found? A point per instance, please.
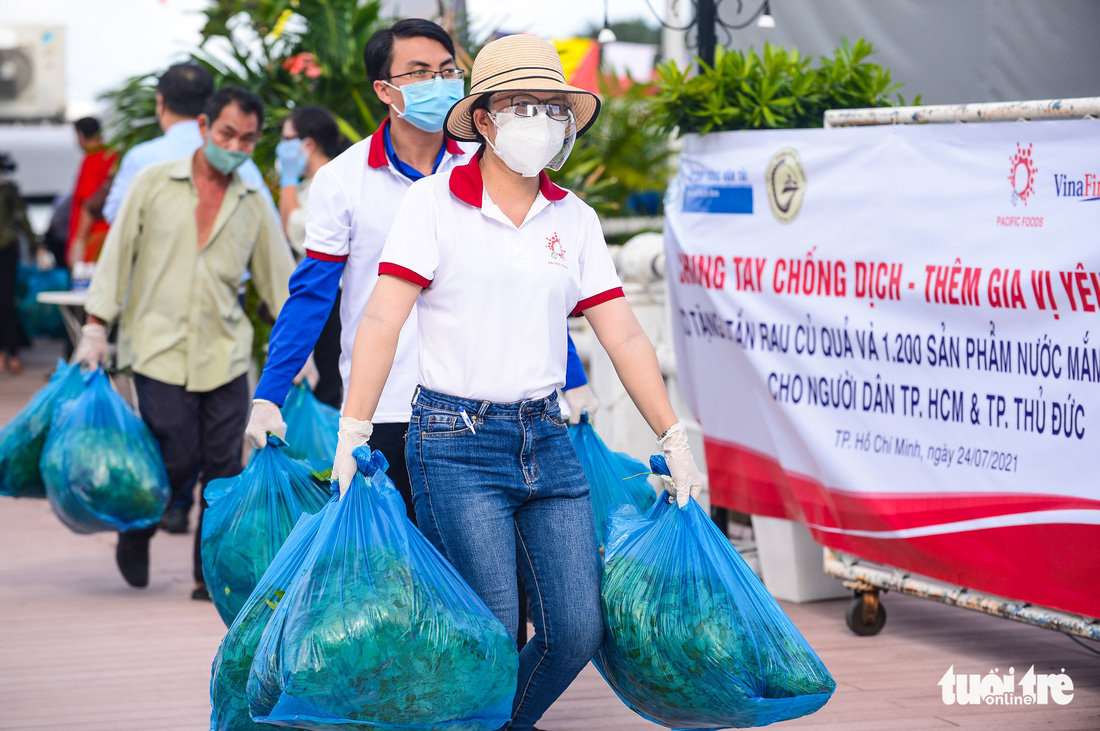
(467, 186)
(376, 157)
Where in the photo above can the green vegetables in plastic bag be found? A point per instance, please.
(23, 438)
(229, 679)
(101, 465)
(379, 632)
(248, 518)
(614, 478)
(311, 427)
(693, 640)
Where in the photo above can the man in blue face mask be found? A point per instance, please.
(168, 274)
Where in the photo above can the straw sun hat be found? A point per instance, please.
(518, 63)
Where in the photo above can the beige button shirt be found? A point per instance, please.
(180, 321)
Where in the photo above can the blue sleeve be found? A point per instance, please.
(574, 371)
(313, 288)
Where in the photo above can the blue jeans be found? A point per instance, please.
(513, 485)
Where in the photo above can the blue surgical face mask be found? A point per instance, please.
(223, 160)
(427, 102)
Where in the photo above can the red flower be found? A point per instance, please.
(303, 63)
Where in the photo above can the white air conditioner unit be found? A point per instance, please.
(32, 72)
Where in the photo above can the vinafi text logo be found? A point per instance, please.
(1022, 174)
(992, 689)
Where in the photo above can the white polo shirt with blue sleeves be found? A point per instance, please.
(491, 319)
(352, 201)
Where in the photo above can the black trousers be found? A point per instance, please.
(389, 439)
(196, 431)
(9, 320)
(326, 354)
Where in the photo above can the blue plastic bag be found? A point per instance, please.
(101, 465)
(614, 478)
(23, 438)
(693, 640)
(311, 427)
(248, 518)
(229, 676)
(40, 320)
(379, 632)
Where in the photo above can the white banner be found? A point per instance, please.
(892, 335)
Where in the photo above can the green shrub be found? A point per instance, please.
(779, 90)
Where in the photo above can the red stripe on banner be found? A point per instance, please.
(1055, 565)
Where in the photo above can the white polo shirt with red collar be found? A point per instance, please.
(352, 203)
(492, 315)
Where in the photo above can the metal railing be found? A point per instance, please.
(1082, 108)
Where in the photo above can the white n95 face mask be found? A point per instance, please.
(529, 144)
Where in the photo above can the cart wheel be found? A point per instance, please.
(863, 619)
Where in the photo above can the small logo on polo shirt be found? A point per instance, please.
(553, 243)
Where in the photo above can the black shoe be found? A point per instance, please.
(200, 594)
(174, 520)
(132, 557)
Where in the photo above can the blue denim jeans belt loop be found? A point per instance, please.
(503, 491)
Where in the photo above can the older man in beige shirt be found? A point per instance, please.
(169, 274)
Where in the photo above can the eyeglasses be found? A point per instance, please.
(425, 74)
(529, 106)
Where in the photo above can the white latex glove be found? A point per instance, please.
(309, 373)
(686, 481)
(93, 348)
(265, 417)
(353, 433)
(581, 400)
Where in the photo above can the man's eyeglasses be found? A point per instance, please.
(529, 106)
(426, 74)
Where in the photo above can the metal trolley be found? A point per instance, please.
(866, 615)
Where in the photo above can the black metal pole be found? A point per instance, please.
(706, 18)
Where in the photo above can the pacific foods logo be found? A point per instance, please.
(1022, 174)
(785, 180)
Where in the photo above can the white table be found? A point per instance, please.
(71, 304)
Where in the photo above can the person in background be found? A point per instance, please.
(13, 222)
(310, 139)
(185, 234)
(56, 237)
(86, 229)
(182, 93)
(493, 256)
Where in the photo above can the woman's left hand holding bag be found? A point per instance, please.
(687, 481)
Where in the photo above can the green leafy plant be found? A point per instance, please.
(777, 90)
(621, 156)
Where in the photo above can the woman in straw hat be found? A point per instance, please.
(493, 255)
